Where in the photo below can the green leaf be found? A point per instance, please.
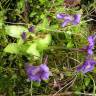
(1, 19)
(42, 1)
(70, 44)
(44, 25)
(87, 81)
(42, 43)
(12, 48)
(32, 50)
(15, 31)
(32, 14)
(23, 48)
(36, 84)
(21, 5)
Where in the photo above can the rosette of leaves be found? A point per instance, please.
(33, 47)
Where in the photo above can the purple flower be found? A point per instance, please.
(23, 35)
(74, 19)
(37, 73)
(87, 66)
(31, 29)
(91, 44)
(89, 48)
(65, 23)
(63, 16)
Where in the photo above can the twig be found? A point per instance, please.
(46, 60)
(72, 94)
(63, 88)
(16, 23)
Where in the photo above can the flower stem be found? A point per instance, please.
(31, 88)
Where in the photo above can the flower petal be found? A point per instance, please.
(34, 78)
(65, 23)
(87, 66)
(90, 52)
(61, 16)
(31, 29)
(76, 19)
(45, 76)
(44, 67)
(23, 35)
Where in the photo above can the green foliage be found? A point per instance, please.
(42, 43)
(87, 81)
(32, 50)
(12, 48)
(70, 44)
(42, 1)
(1, 18)
(48, 38)
(44, 25)
(21, 5)
(15, 31)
